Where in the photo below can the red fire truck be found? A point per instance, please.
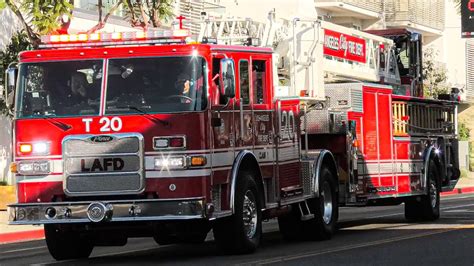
(120, 135)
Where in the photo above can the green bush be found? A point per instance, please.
(464, 173)
(464, 133)
(19, 42)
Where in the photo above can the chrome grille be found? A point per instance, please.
(103, 183)
(81, 146)
(103, 168)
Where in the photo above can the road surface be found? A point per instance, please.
(367, 236)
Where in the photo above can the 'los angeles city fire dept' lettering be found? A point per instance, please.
(115, 164)
(341, 43)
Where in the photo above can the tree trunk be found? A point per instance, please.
(101, 24)
(32, 36)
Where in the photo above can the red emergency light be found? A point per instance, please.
(113, 38)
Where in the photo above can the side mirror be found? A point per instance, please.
(9, 87)
(227, 78)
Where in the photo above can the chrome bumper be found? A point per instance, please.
(107, 211)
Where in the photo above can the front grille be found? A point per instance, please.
(103, 183)
(112, 167)
(82, 146)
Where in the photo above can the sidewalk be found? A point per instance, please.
(18, 233)
(464, 185)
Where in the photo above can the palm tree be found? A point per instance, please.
(457, 4)
(139, 13)
(39, 17)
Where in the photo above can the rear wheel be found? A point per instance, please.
(67, 244)
(241, 232)
(426, 207)
(325, 207)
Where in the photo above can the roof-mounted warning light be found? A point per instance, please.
(114, 38)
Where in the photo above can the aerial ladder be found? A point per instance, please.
(310, 52)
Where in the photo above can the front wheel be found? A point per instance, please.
(241, 232)
(67, 244)
(426, 207)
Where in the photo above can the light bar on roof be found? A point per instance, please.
(114, 38)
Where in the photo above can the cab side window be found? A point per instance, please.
(216, 67)
(244, 81)
(258, 81)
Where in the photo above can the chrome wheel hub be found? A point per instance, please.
(250, 214)
(326, 198)
(433, 194)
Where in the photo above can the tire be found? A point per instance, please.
(426, 207)
(241, 232)
(65, 245)
(325, 209)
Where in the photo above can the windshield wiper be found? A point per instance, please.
(145, 114)
(59, 124)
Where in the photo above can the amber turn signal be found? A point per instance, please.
(355, 143)
(14, 168)
(198, 161)
(26, 148)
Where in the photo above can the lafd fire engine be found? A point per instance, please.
(120, 135)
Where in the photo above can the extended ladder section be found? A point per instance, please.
(310, 52)
(359, 55)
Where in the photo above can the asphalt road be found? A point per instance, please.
(367, 236)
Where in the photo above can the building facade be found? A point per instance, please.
(438, 21)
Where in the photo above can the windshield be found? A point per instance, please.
(65, 88)
(156, 85)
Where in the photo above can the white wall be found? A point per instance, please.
(454, 47)
(9, 24)
(5, 149)
(83, 21)
(464, 155)
(258, 10)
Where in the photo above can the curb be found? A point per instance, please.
(20, 236)
(464, 190)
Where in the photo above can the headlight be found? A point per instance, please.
(41, 148)
(170, 162)
(33, 168)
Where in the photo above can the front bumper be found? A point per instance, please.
(107, 211)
